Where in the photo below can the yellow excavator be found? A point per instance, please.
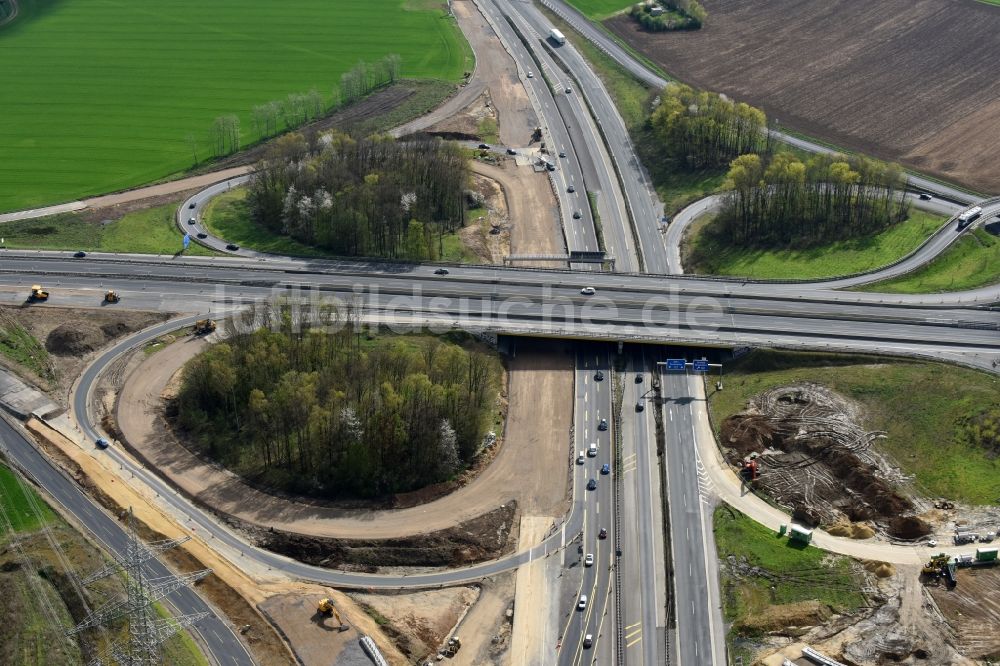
(204, 326)
(37, 294)
(111, 296)
(326, 608)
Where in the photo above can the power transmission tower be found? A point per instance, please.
(146, 631)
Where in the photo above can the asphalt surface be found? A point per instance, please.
(593, 403)
(212, 631)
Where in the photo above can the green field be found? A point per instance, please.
(19, 504)
(924, 407)
(600, 9)
(150, 231)
(973, 261)
(105, 94)
(785, 574)
(710, 253)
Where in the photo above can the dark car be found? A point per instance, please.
(80, 255)
(603, 534)
(577, 215)
(599, 376)
(606, 468)
(571, 189)
(202, 235)
(562, 153)
(232, 247)
(102, 443)
(441, 271)
(592, 484)
(639, 407)
(550, 166)
(511, 151)
(484, 146)
(638, 379)
(192, 221)
(603, 425)
(191, 205)
(925, 196)
(569, 90)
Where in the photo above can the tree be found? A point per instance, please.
(447, 452)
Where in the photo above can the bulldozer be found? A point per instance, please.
(326, 608)
(111, 296)
(204, 326)
(37, 294)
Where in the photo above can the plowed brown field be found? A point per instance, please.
(916, 81)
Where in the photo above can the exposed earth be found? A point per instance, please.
(815, 459)
(903, 80)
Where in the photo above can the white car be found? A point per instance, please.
(530, 75)
(582, 603)
(588, 561)
(588, 291)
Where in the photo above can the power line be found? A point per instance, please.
(146, 632)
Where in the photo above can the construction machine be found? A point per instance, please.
(326, 608)
(936, 564)
(204, 326)
(111, 296)
(37, 294)
(452, 647)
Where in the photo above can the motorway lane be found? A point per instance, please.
(571, 170)
(694, 639)
(633, 186)
(493, 280)
(593, 402)
(644, 617)
(215, 634)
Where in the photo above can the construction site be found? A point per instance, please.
(803, 447)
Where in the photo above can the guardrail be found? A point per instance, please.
(368, 645)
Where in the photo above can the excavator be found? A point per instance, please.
(204, 326)
(326, 608)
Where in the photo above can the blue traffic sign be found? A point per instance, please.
(676, 363)
(700, 366)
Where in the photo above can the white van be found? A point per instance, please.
(592, 450)
(580, 459)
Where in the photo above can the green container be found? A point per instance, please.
(782, 529)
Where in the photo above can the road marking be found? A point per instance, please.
(671, 413)
(633, 625)
(634, 632)
(692, 607)
(636, 641)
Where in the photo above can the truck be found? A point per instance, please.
(557, 37)
(965, 537)
(968, 216)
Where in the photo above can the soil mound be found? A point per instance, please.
(816, 459)
(74, 339)
(801, 614)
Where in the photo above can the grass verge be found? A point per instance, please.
(973, 261)
(597, 10)
(709, 252)
(18, 499)
(598, 228)
(786, 573)
(925, 408)
(150, 231)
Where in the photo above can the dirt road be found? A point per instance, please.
(534, 452)
(531, 208)
(534, 633)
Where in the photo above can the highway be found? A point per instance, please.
(593, 403)
(215, 633)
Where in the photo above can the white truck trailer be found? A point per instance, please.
(557, 36)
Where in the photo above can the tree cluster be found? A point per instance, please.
(368, 197)
(702, 129)
(669, 15)
(296, 109)
(826, 197)
(325, 414)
